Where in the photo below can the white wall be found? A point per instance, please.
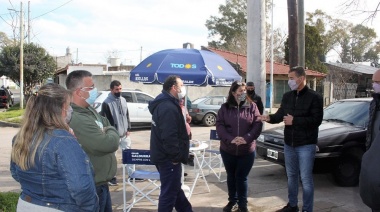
(95, 70)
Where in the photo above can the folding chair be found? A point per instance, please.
(131, 158)
(214, 161)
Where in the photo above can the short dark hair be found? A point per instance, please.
(114, 83)
(298, 70)
(250, 84)
(75, 79)
(235, 85)
(169, 82)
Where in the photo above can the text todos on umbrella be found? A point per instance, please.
(181, 65)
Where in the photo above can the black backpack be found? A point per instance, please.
(369, 181)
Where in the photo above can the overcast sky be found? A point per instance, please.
(96, 27)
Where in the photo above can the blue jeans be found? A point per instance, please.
(105, 204)
(171, 194)
(299, 161)
(237, 169)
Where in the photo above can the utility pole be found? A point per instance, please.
(271, 64)
(301, 33)
(21, 58)
(256, 65)
(293, 33)
(140, 54)
(28, 21)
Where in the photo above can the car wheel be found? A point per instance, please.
(209, 120)
(346, 172)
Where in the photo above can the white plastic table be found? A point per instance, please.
(198, 164)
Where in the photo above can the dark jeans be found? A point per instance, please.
(171, 193)
(105, 204)
(238, 168)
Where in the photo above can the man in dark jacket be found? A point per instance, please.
(250, 86)
(302, 112)
(169, 144)
(374, 110)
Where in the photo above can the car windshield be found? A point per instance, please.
(352, 112)
(197, 101)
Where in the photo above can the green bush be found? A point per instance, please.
(8, 201)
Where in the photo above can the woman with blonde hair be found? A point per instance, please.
(54, 172)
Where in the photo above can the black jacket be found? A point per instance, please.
(257, 100)
(375, 104)
(306, 107)
(168, 139)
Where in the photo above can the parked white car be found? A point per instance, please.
(137, 102)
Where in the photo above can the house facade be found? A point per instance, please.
(280, 75)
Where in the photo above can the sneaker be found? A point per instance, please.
(137, 179)
(230, 207)
(242, 209)
(289, 208)
(113, 182)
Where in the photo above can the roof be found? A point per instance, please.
(358, 68)
(278, 68)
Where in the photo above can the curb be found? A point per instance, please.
(9, 124)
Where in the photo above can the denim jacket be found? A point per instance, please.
(62, 177)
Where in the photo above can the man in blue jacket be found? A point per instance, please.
(301, 111)
(169, 144)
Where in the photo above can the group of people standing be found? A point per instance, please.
(64, 154)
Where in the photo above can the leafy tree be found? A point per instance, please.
(371, 55)
(313, 49)
(4, 40)
(38, 65)
(361, 39)
(230, 29)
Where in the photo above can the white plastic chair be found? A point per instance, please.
(141, 190)
(213, 160)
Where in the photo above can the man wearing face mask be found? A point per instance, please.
(301, 111)
(254, 97)
(97, 137)
(374, 110)
(169, 144)
(115, 109)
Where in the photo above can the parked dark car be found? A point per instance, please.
(5, 98)
(205, 109)
(341, 140)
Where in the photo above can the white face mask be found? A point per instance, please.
(293, 84)
(182, 94)
(69, 111)
(376, 87)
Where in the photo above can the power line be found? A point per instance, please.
(52, 10)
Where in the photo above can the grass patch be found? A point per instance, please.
(8, 201)
(13, 114)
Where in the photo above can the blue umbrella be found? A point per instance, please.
(195, 67)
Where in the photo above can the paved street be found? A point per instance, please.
(267, 183)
